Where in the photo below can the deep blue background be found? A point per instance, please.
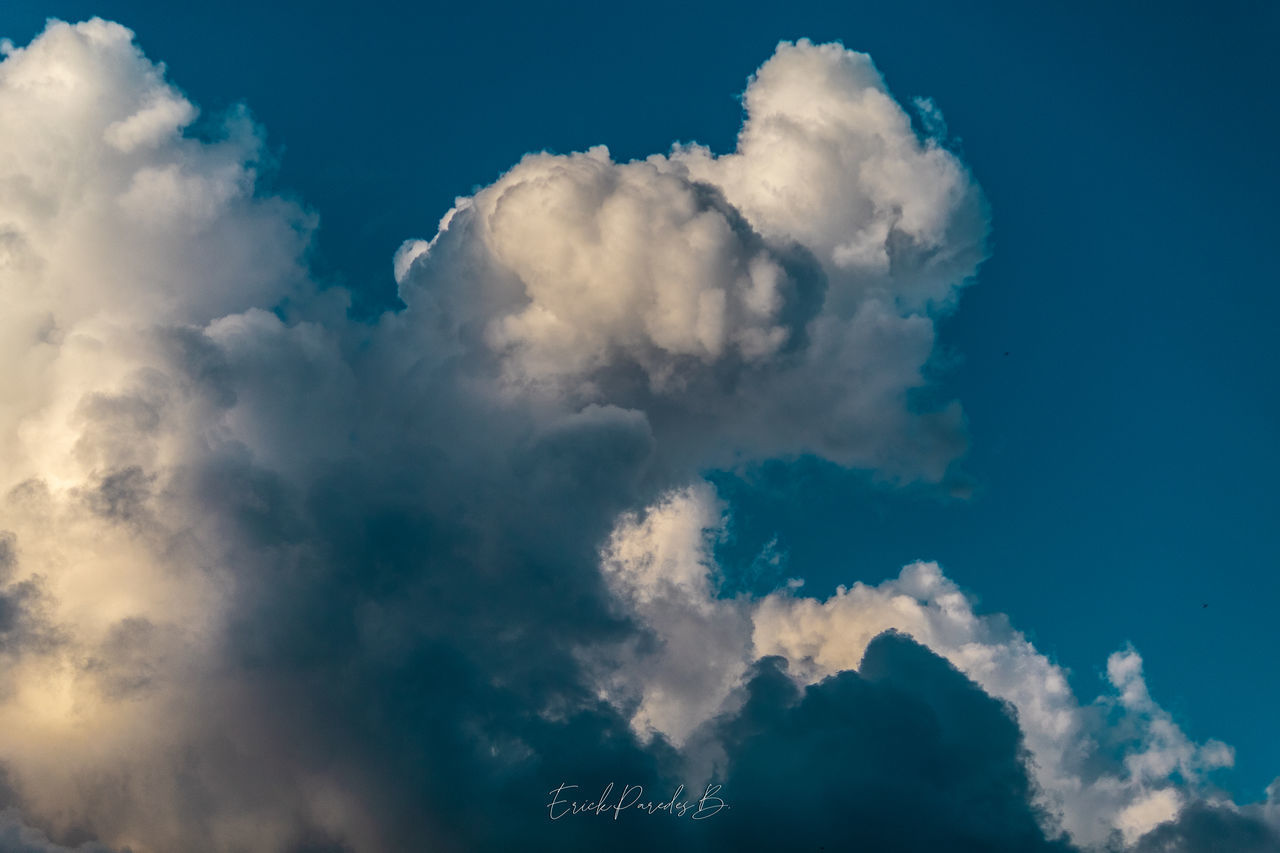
(1125, 449)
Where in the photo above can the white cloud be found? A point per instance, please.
(163, 115)
(120, 239)
(106, 208)
(772, 301)
(827, 158)
(1096, 776)
(659, 568)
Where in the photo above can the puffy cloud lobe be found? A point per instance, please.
(112, 221)
(656, 567)
(623, 256)
(102, 178)
(827, 158)
(855, 760)
(773, 301)
(1067, 743)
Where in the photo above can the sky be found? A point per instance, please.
(314, 500)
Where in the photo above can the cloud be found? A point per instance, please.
(774, 301)
(101, 180)
(275, 579)
(827, 158)
(858, 758)
(657, 567)
(1096, 775)
(1206, 827)
(123, 237)
(1104, 772)
(17, 837)
(25, 629)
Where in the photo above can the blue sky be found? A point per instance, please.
(1113, 358)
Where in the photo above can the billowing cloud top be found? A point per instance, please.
(769, 302)
(272, 579)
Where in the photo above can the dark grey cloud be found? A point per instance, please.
(25, 628)
(122, 495)
(22, 626)
(8, 554)
(904, 755)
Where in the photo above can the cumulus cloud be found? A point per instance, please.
(1105, 772)
(773, 301)
(272, 579)
(657, 568)
(827, 158)
(124, 239)
(862, 755)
